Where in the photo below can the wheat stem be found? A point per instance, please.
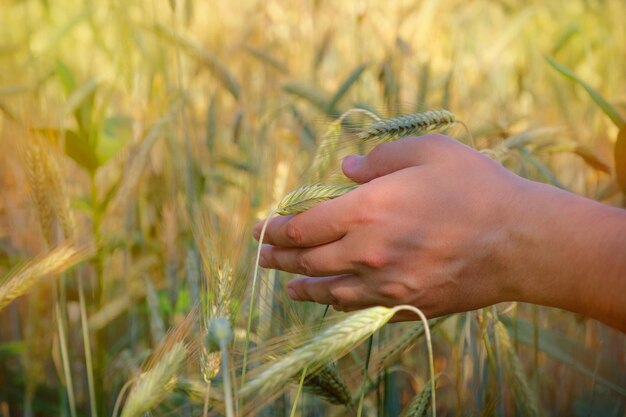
(429, 344)
(250, 309)
(87, 345)
(300, 384)
(65, 359)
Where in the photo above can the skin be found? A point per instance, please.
(441, 227)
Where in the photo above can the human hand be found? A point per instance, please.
(429, 227)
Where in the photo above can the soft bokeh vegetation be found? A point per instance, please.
(144, 139)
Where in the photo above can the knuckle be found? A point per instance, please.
(375, 259)
(334, 294)
(393, 291)
(365, 207)
(303, 265)
(294, 233)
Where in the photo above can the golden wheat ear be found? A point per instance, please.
(23, 279)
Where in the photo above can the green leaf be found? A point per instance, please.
(64, 74)
(81, 103)
(12, 348)
(191, 46)
(78, 148)
(344, 87)
(543, 170)
(267, 59)
(114, 135)
(586, 153)
(561, 348)
(606, 107)
(310, 94)
(620, 158)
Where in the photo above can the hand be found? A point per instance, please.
(429, 227)
(441, 227)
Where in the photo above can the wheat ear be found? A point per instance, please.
(153, 385)
(22, 280)
(37, 177)
(327, 383)
(330, 140)
(407, 125)
(524, 396)
(419, 404)
(330, 342)
(307, 196)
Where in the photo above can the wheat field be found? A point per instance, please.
(142, 140)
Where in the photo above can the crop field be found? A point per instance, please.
(141, 141)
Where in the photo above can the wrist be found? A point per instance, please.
(565, 251)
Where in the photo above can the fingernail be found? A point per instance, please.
(350, 162)
(292, 293)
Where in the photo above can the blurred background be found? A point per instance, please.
(158, 132)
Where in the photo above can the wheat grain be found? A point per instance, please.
(407, 125)
(23, 279)
(308, 196)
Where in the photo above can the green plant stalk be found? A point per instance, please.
(499, 373)
(65, 358)
(99, 352)
(365, 375)
(300, 384)
(228, 390)
(87, 347)
(306, 368)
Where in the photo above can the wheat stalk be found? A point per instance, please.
(20, 281)
(331, 342)
(407, 125)
(307, 196)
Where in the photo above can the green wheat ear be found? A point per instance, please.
(407, 125)
(307, 196)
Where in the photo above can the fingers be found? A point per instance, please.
(343, 292)
(317, 261)
(324, 223)
(394, 156)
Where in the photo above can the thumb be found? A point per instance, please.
(384, 159)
